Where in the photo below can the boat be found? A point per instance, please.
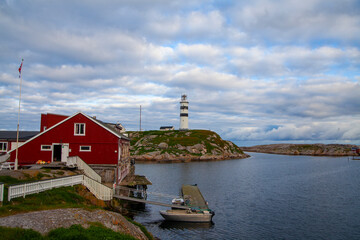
(194, 208)
(356, 153)
(180, 215)
(178, 201)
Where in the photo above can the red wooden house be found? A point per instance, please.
(95, 142)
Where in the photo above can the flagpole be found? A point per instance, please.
(17, 132)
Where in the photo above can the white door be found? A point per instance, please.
(64, 152)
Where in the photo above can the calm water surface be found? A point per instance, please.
(262, 197)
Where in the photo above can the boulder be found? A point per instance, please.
(163, 145)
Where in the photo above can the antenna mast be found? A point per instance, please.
(18, 123)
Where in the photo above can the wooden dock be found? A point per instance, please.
(150, 202)
(193, 194)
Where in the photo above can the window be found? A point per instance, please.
(46, 148)
(3, 146)
(79, 129)
(85, 148)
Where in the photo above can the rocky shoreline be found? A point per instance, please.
(318, 149)
(165, 158)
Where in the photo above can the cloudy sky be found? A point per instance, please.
(254, 71)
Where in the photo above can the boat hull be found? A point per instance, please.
(186, 216)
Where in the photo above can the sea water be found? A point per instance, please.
(262, 197)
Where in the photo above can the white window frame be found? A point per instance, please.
(82, 150)
(6, 146)
(46, 149)
(75, 129)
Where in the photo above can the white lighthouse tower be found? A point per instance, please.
(184, 113)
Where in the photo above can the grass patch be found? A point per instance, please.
(60, 173)
(19, 234)
(40, 175)
(63, 197)
(10, 180)
(94, 232)
(142, 228)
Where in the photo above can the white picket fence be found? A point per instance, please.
(99, 190)
(91, 180)
(88, 171)
(1, 192)
(21, 190)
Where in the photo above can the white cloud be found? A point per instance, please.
(289, 21)
(254, 70)
(201, 54)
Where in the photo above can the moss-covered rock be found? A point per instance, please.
(304, 149)
(181, 146)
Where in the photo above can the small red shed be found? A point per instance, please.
(94, 141)
(8, 139)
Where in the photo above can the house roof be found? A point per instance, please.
(109, 127)
(119, 135)
(23, 135)
(163, 127)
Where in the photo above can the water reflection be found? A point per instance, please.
(262, 197)
(185, 225)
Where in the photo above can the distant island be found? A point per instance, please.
(181, 146)
(304, 149)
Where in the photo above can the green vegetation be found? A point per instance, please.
(142, 228)
(94, 232)
(19, 234)
(10, 180)
(63, 197)
(60, 172)
(304, 147)
(40, 175)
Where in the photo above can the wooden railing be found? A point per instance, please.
(1, 192)
(88, 171)
(21, 190)
(123, 173)
(99, 190)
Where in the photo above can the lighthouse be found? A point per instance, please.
(184, 113)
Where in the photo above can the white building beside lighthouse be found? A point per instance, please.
(184, 113)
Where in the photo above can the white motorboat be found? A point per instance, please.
(187, 215)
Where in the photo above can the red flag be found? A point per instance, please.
(20, 68)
